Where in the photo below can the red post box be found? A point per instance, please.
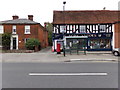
(58, 48)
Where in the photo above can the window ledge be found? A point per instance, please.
(27, 33)
(14, 33)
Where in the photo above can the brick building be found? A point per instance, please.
(100, 29)
(22, 30)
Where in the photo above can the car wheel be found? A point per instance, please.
(116, 53)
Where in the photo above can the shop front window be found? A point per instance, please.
(76, 44)
(100, 44)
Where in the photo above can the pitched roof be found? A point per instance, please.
(18, 21)
(85, 17)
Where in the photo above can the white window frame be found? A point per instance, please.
(62, 29)
(102, 28)
(14, 29)
(82, 29)
(1, 29)
(26, 39)
(27, 29)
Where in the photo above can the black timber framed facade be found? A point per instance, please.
(99, 28)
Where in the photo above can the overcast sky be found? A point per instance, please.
(43, 9)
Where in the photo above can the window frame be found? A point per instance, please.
(26, 39)
(27, 29)
(82, 29)
(62, 28)
(102, 28)
(14, 28)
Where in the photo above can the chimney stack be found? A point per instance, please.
(30, 17)
(45, 23)
(104, 8)
(15, 17)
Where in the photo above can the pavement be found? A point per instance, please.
(46, 55)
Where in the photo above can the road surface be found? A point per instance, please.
(17, 75)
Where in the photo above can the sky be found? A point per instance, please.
(42, 10)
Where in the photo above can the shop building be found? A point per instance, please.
(97, 28)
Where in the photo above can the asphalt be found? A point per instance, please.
(46, 55)
(16, 75)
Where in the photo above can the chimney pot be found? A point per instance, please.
(45, 24)
(15, 17)
(30, 17)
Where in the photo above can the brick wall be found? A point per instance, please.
(21, 36)
(117, 35)
(43, 37)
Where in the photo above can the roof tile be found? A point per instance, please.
(18, 21)
(85, 17)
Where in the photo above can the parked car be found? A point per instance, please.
(116, 52)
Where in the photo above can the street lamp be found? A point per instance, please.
(64, 28)
(64, 5)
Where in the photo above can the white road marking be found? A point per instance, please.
(68, 74)
(93, 60)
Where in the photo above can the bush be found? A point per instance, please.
(6, 41)
(32, 43)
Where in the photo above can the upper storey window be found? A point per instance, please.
(14, 29)
(102, 28)
(27, 29)
(82, 29)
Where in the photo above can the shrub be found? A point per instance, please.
(32, 43)
(6, 41)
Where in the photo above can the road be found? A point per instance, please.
(16, 75)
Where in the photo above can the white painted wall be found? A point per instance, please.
(11, 46)
(113, 37)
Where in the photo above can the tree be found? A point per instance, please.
(32, 43)
(6, 40)
(49, 28)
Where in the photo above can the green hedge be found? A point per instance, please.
(6, 40)
(32, 43)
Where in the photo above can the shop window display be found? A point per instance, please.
(99, 44)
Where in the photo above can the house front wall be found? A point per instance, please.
(20, 33)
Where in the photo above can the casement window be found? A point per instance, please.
(102, 28)
(27, 29)
(82, 29)
(1, 29)
(14, 29)
(62, 29)
(26, 39)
